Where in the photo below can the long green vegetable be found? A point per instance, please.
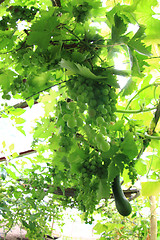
(122, 204)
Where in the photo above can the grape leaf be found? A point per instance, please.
(6, 78)
(17, 111)
(39, 38)
(99, 228)
(30, 102)
(141, 167)
(11, 147)
(150, 188)
(103, 191)
(113, 171)
(4, 144)
(129, 88)
(155, 160)
(76, 68)
(117, 126)
(128, 146)
(11, 173)
(76, 158)
(19, 120)
(42, 30)
(20, 128)
(118, 29)
(137, 44)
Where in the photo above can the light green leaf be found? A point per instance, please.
(11, 147)
(11, 173)
(76, 68)
(129, 88)
(30, 102)
(141, 167)
(103, 191)
(100, 228)
(150, 188)
(117, 126)
(113, 171)
(4, 144)
(17, 111)
(128, 146)
(20, 128)
(155, 160)
(19, 120)
(75, 161)
(15, 154)
(6, 78)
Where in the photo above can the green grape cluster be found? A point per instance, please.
(22, 13)
(5, 23)
(92, 169)
(19, 85)
(132, 171)
(6, 95)
(97, 98)
(17, 13)
(96, 102)
(81, 12)
(65, 125)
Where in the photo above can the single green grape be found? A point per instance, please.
(66, 117)
(100, 120)
(79, 122)
(103, 130)
(71, 122)
(105, 92)
(104, 111)
(104, 146)
(80, 98)
(91, 112)
(71, 106)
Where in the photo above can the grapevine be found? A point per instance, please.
(62, 54)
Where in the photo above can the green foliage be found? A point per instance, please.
(114, 226)
(92, 130)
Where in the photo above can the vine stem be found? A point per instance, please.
(16, 106)
(135, 111)
(141, 90)
(152, 137)
(83, 42)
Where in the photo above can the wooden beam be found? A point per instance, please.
(21, 154)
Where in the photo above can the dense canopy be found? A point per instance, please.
(94, 67)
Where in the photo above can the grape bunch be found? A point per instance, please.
(91, 170)
(19, 85)
(22, 13)
(65, 132)
(4, 23)
(132, 171)
(17, 13)
(97, 98)
(81, 12)
(96, 102)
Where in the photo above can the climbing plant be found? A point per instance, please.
(94, 67)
